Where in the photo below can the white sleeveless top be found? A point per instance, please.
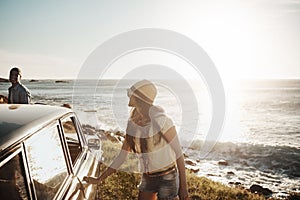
(160, 155)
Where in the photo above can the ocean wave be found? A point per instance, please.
(279, 160)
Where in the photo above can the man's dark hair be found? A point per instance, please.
(16, 69)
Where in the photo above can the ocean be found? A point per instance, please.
(260, 140)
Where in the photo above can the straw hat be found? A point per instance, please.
(144, 90)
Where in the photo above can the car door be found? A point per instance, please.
(81, 161)
(13, 179)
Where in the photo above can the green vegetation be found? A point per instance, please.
(123, 185)
(203, 188)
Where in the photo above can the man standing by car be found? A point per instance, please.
(17, 93)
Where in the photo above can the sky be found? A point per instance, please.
(245, 39)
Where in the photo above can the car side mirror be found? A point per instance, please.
(94, 144)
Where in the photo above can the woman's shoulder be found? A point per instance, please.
(156, 111)
(160, 118)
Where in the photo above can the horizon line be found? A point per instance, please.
(113, 78)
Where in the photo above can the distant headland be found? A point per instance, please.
(4, 80)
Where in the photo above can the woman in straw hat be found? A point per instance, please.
(152, 135)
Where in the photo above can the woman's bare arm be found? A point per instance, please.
(118, 161)
(172, 139)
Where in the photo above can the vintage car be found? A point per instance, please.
(44, 154)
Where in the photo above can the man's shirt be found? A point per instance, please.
(18, 94)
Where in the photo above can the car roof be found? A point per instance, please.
(20, 120)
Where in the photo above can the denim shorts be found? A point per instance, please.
(166, 186)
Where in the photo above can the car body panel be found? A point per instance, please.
(20, 123)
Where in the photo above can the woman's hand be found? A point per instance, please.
(91, 180)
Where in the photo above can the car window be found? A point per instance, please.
(12, 181)
(72, 138)
(46, 162)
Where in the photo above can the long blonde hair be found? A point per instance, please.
(141, 120)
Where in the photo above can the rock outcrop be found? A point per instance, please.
(223, 162)
(116, 136)
(190, 162)
(260, 190)
(61, 81)
(66, 105)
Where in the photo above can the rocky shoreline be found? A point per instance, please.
(191, 165)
